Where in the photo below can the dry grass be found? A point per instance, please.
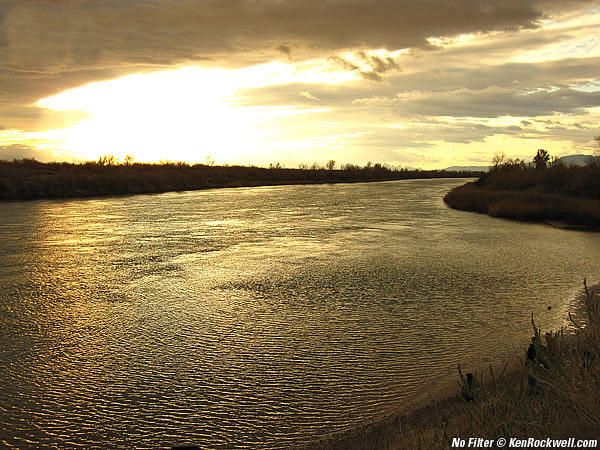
(558, 393)
(515, 191)
(526, 205)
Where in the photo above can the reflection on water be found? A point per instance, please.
(259, 317)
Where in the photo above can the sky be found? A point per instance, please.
(408, 83)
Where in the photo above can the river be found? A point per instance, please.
(260, 318)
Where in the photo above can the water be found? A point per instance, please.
(259, 318)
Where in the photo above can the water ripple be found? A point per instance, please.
(258, 318)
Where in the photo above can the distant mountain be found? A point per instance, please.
(465, 168)
(571, 160)
(577, 160)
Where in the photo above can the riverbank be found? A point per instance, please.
(558, 210)
(427, 427)
(562, 196)
(551, 391)
(30, 179)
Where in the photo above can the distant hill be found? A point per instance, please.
(571, 160)
(467, 168)
(577, 160)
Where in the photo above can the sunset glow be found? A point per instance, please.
(411, 88)
(188, 114)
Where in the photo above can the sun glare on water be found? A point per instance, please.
(179, 115)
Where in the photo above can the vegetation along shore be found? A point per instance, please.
(543, 191)
(31, 179)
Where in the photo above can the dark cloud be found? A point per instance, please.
(371, 75)
(18, 117)
(417, 136)
(60, 36)
(65, 36)
(562, 72)
(496, 102)
(20, 92)
(286, 50)
(376, 65)
(507, 80)
(344, 63)
(491, 102)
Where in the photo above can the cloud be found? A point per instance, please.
(57, 37)
(460, 59)
(371, 75)
(563, 72)
(15, 116)
(351, 67)
(50, 46)
(370, 67)
(379, 64)
(492, 102)
(62, 36)
(19, 151)
(308, 95)
(286, 50)
(344, 63)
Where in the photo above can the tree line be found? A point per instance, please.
(30, 179)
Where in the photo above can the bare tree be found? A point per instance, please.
(330, 164)
(498, 160)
